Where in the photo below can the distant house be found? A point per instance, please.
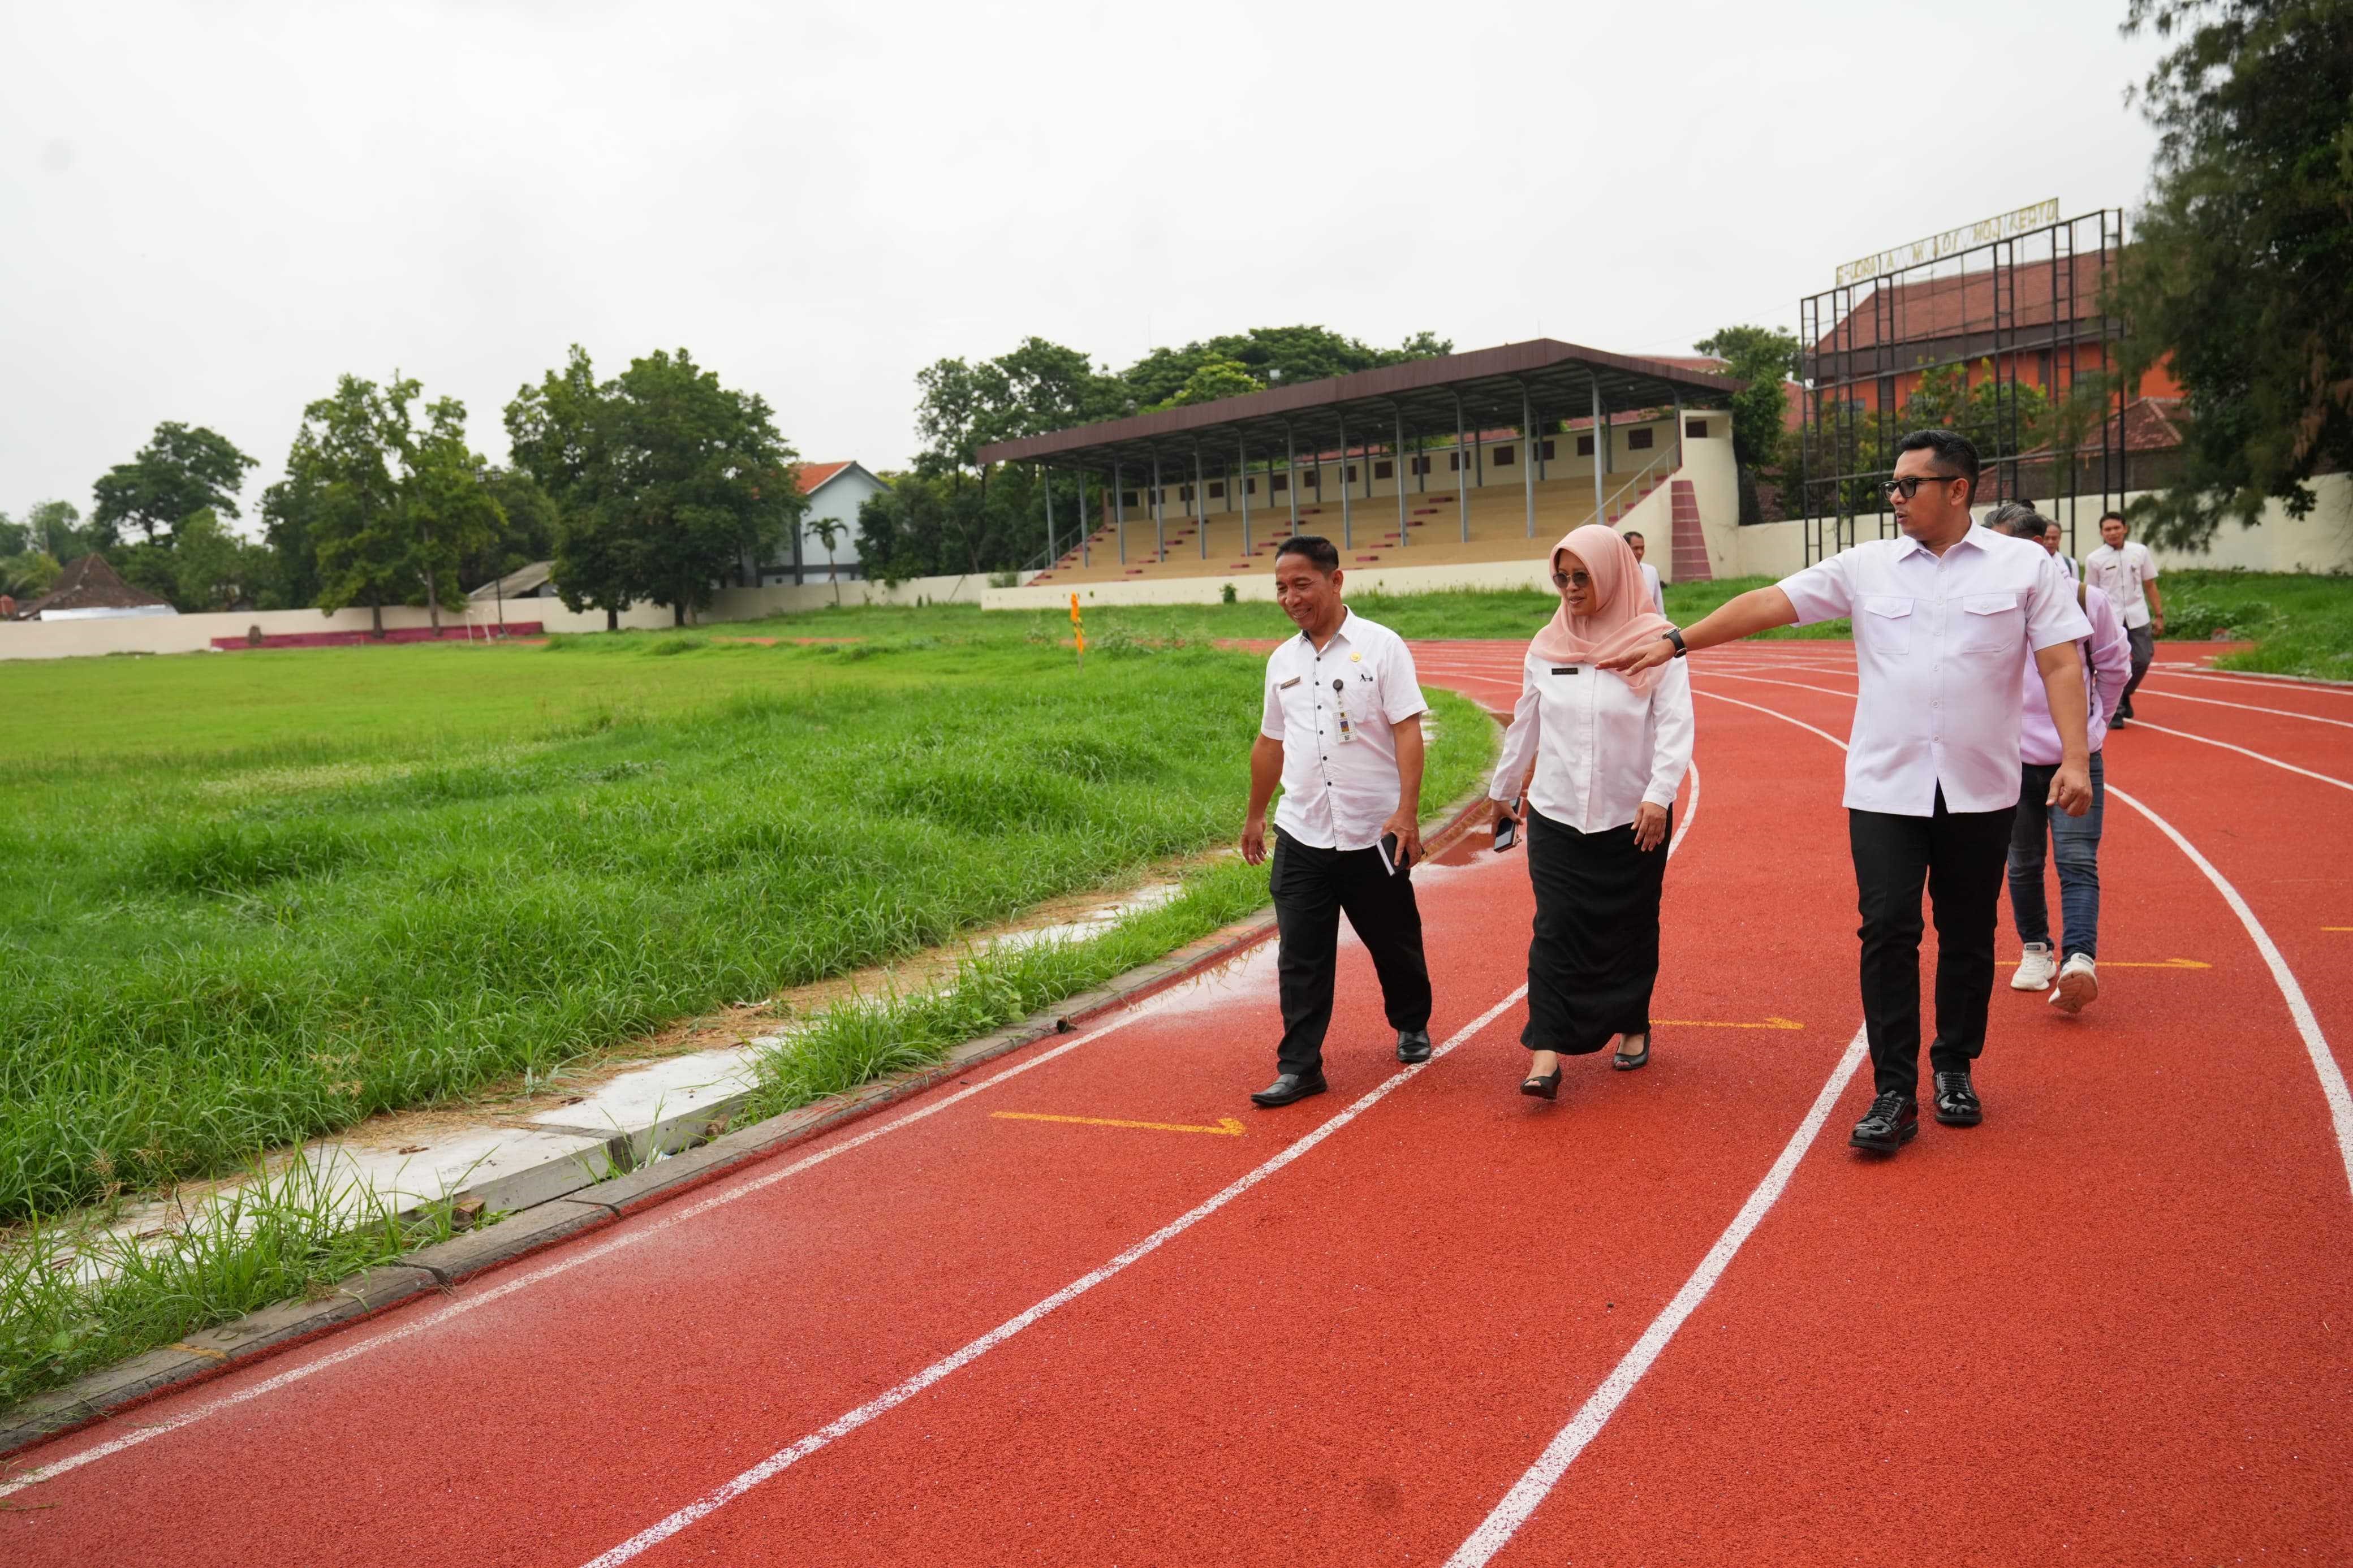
(836, 491)
(536, 581)
(90, 591)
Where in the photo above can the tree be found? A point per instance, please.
(663, 480)
(1213, 379)
(828, 531)
(2239, 272)
(341, 475)
(182, 471)
(447, 508)
(52, 528)
(1038, 386)
(215, 569)
(25, 575)
(1766, 358)
(1273, 356)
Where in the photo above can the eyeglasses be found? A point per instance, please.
(1909, 486)
(1563, 579)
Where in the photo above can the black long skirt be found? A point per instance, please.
(1595, 954)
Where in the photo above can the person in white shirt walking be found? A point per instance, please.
(2052, 539)
(1651, 587)
(1341, 731)
(1608, 753)
(2124, 569)
(1944, 619)
(2072, 842)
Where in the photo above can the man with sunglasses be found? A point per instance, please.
(1946, 616)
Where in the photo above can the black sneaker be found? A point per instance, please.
(1892, 1122)
(1956, 1101)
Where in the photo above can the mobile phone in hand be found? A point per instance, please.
(1507, 830)
(1389, 855)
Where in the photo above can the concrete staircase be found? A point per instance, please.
(1690, 556)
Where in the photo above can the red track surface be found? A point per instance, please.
(2108, 1326)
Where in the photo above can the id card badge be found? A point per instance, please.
(1340, 710)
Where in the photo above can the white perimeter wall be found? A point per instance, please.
(195, 633)
(2320, 541)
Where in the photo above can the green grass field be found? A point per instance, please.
(255, 897)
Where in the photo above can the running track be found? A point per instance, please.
(1671, 1319)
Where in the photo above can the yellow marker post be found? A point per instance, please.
(1226, 1126)
(1078, 630)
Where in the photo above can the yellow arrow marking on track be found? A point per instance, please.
(1769, 1022)
(1226, 1126)
(2169, 963)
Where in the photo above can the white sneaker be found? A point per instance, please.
(2035, 968)
(2078, 984)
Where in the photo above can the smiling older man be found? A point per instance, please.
(1342, 731)
(1945, 616)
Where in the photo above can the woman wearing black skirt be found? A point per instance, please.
(1599, 757)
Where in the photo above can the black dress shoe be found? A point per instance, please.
(1289, 1087)
(1956, 1101)
(1892, 1122)
(1544, 1086)
(1624, 1063)
(1413, 1045)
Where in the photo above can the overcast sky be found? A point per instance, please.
(208, 211)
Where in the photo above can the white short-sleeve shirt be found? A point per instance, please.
(1335, 713)
(1651, 581)
(2119, 574)
(1941, 643)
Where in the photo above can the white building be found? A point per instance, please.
(835, 492)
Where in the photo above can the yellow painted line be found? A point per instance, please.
(2336, 928)
(1226, 1126)
(2169, 963)
(1770, 1023)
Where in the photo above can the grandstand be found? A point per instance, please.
(1463, 461)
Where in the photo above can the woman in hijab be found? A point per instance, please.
(1598, 756)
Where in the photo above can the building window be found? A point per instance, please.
(1250, 486)
(1217, 489)
(1584, 445)
(1548, 453)
(1639, 439)
(1127, 498)
(1421, 465)
(1185, 493)
(1383, 469)
(1501, 457)
(1352, 474)
(1313, 478)
(1277, 482)
(1454, 461)
(1696, 428)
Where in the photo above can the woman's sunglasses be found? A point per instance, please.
(1563, 579)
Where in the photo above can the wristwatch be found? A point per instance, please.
(1675, 637)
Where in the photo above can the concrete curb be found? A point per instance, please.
(263, 1334)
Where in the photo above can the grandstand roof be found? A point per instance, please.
(1558, 379)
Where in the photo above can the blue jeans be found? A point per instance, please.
(2075, 845)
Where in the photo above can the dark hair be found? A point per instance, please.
(1953, 450)
(2119, 517)
(1315, 547)
(2019, 520)
(1633, 533)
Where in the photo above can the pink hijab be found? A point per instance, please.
(1623, 619)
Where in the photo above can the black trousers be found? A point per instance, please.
(1961, 856)
(1313, 887)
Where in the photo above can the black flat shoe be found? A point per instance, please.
(1892, 1122)
(1956, 1100)
(1545, 1088)
(1290, 1087)
(1625, 1063)
(1413, 1045)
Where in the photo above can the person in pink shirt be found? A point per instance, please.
(2074, 842)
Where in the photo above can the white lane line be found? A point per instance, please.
(2210, 740)
(2252, 708)
(785, 1458)
(2315, 1043)
(627, 1238)
(2258, 680)
(1537, 1482)
(782, 1459)
(1776, 713)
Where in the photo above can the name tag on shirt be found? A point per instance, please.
(1564, 669)
(1288, 684)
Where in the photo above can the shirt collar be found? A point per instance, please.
(1346, 615)
(1975, 537)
